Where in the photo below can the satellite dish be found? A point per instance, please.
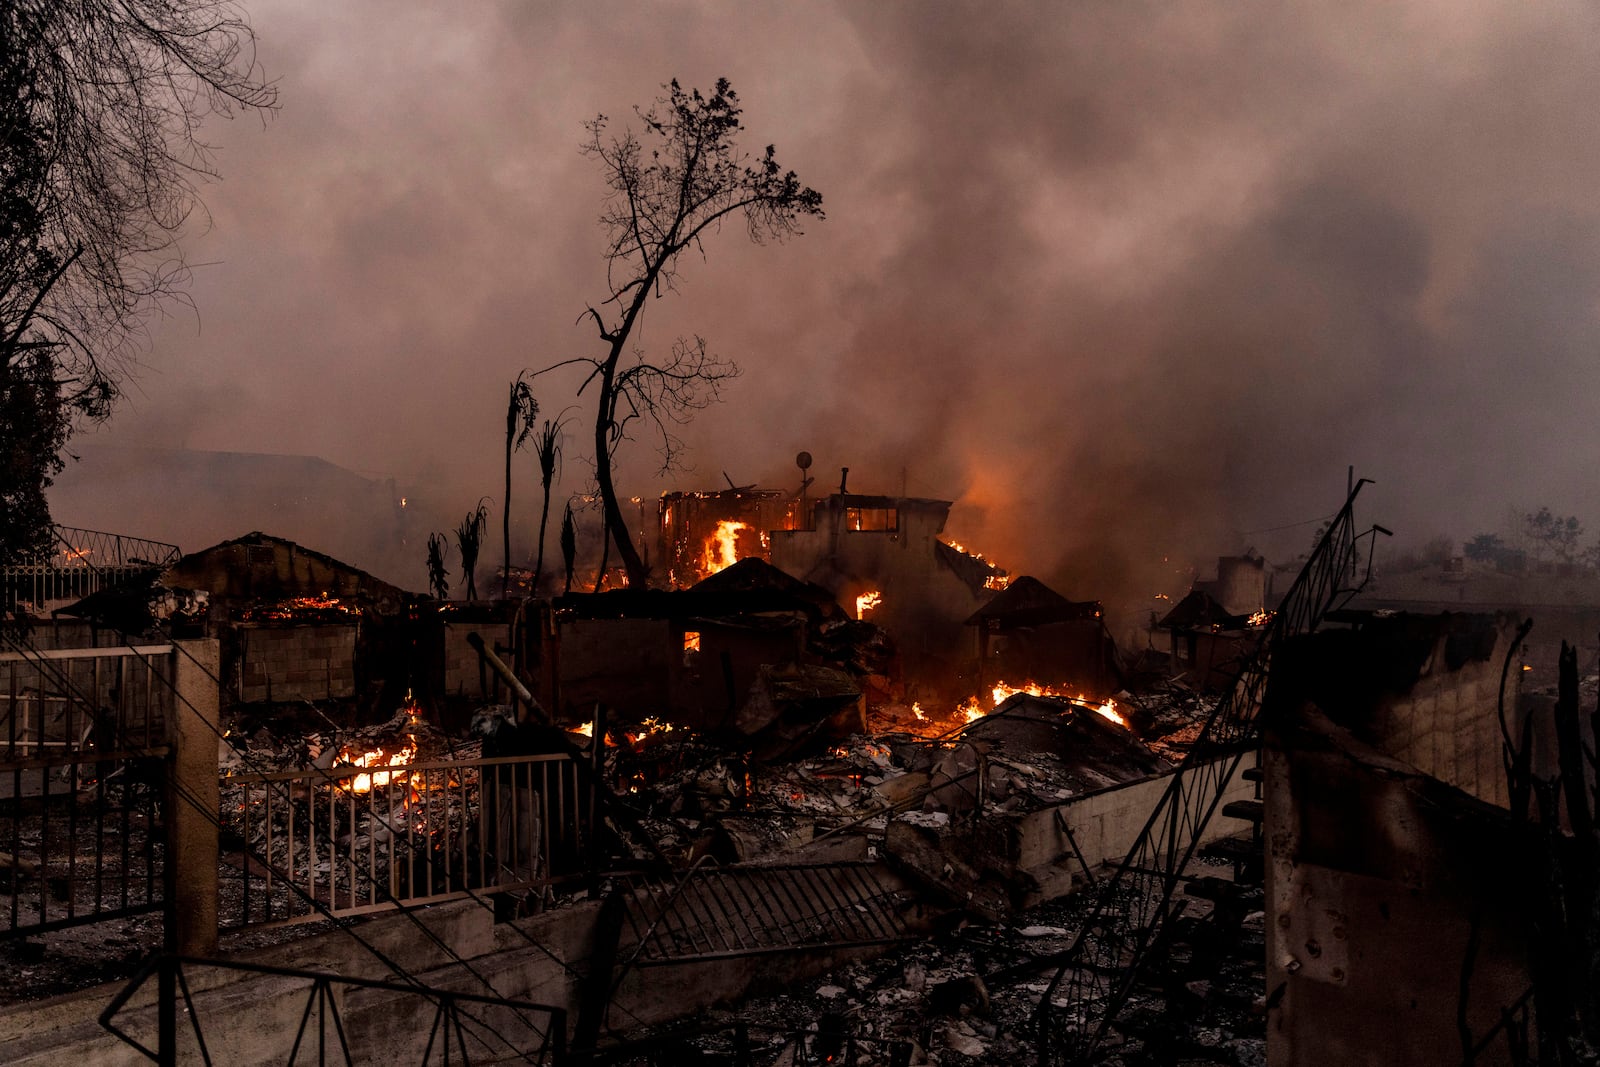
(803, 461)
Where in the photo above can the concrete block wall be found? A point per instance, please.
(302, 662)
(1448, 724)
(461, 675)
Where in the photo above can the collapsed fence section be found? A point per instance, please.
(357, 840)
(82, 751)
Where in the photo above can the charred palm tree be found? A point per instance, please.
(547, 446)
(438, 577)
(569, 543)
(469, 538)
(521, 410)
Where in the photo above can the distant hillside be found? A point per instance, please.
(197, 499)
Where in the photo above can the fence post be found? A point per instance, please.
(192, 800)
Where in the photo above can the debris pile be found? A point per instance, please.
(969, 995)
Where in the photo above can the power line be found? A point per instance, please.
(1288, 526)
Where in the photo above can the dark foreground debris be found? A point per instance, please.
(957, 998)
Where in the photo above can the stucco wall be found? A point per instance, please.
(1105, 825)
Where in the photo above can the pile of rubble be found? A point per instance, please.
(970, 996)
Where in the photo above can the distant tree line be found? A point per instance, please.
(1533, 537)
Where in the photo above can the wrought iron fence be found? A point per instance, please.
(80, 562)
(82, 744)
(360, 839)
(463, 1028)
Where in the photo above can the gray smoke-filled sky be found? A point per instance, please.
(1122, 279)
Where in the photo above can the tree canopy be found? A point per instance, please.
(101, 108)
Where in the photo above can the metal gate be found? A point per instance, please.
(82, 756)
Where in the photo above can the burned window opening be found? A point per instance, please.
(872, 520)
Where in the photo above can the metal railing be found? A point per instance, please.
(82, 744)
(728, 912)
(464, 1026)
(361, 839)
(78, 563)
(1098, 972)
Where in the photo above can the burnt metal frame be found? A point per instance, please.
(447, 1020)
(732, 922)
(1097, 973)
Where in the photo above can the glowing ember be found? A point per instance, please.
(365, 782)
(322, 604)
(722, 547)
(651, 728)
(1260, 618)
(996, 581)
(916, 709)
(866, 602)
(691, 640)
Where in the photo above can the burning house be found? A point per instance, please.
(882, 557)
(1028, 630)
(701, 533)
(883, 553)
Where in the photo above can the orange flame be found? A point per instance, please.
(1002, 691)
(366, 781)
(866, 602)
(652, 727)
(722, 547)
